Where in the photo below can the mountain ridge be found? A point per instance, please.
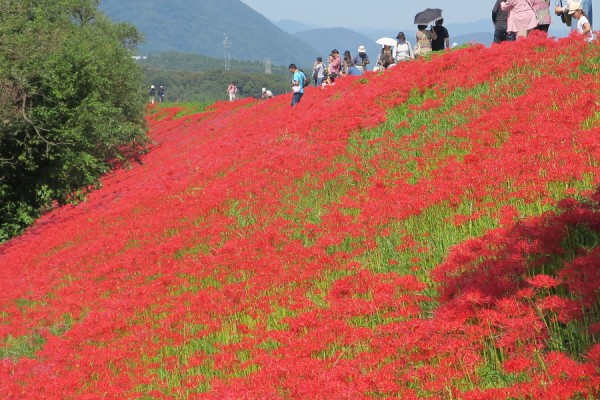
(202, 27)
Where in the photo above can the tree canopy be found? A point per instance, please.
(71, 103)
(192, 77)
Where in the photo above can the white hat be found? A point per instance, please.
(264, 90)
(151, 86)
(574, 7)
(361, 49)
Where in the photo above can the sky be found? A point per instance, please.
(362, 13)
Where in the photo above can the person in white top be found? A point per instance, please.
(232, 91)
(404, 51)
(583, 24)
(585, 5)
(266, 93)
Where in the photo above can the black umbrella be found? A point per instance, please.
(428, 16)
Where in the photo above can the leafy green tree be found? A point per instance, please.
(194, 77)
(72, 104)
(211, 85)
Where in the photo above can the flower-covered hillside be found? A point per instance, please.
(428, 232)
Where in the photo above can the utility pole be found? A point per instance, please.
(227, 47)
(268, 66)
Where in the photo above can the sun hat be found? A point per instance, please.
(361, 49)
(264, 89)
(574, 7)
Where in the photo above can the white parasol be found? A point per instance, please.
(387, 41)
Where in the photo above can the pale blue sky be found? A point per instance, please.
(367, 13)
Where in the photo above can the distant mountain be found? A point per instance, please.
(293, 27)
(327, 39)
(200, 27)
(482, 25)
(484, 38)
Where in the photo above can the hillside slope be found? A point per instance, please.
(428, 232)
(190, 26)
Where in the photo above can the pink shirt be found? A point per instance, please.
(335, 65)
(542, 11)
(521, 16)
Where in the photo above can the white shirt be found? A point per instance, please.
(580, 26)
(404, 52)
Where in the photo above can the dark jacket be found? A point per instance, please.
(499, 16)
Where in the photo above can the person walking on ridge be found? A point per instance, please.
(404, 51)
(232, 91)
(152, 93)
(562, 9)
(500, 20)
(298, 80)
(319, 72)
(335, 64)
(583, 24)
(347, 62)
(161, 93)
(442, 38)
(424, 38)
(361, 60)
(542, 13)
(521, 17)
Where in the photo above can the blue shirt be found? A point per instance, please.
(299, 77)
(360, 59)
(354, 71)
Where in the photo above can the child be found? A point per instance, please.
(266, 94)
(583, 24)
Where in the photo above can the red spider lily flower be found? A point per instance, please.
(543, 281)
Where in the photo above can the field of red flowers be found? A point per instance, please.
(432, 231)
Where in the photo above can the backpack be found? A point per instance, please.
(316, 72)
(387, 58)
(306, 78)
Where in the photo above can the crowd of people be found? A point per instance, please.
(326, 73)
(511, 19)
(517, 18)
(435, 39)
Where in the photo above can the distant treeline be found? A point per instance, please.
(191, 77)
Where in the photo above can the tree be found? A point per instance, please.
(71, 104)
